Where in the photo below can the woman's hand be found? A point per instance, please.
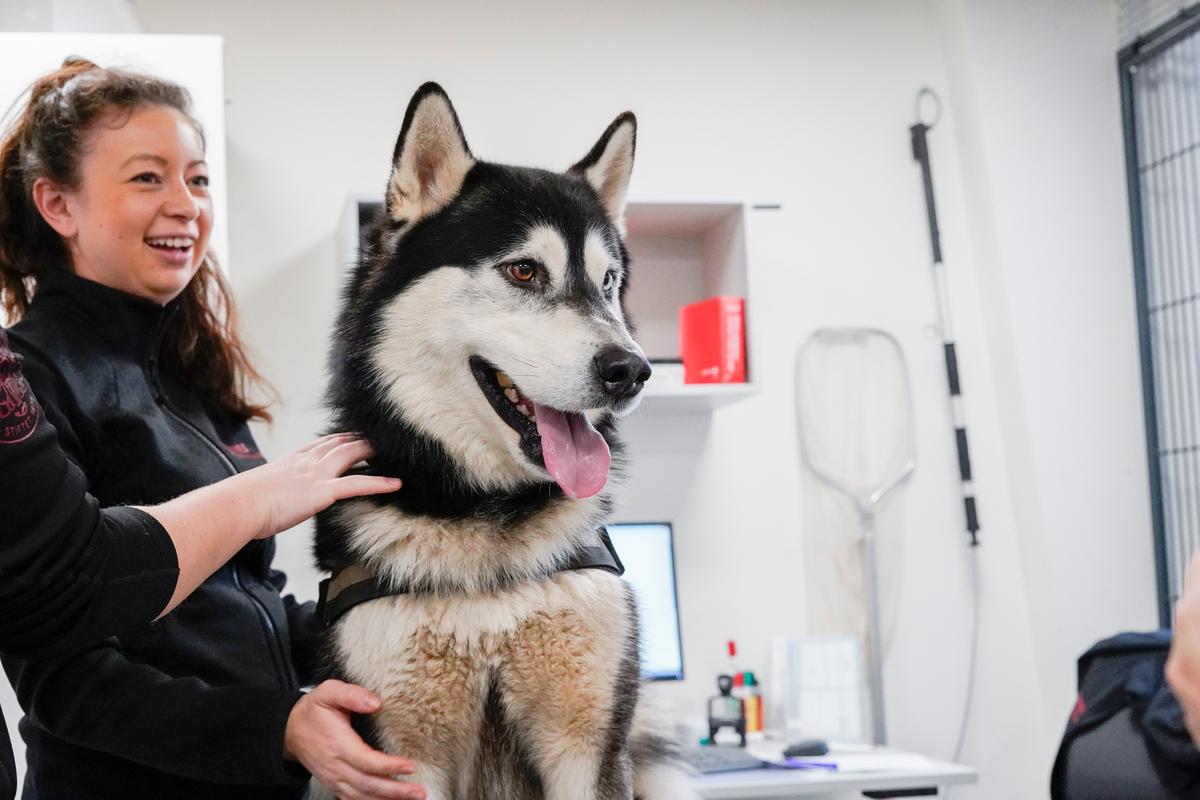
(319, 736)
(293, 488)
(209, 525)
(1183, 664)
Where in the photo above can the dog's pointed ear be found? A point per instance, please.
(609, 163)
(431, 159)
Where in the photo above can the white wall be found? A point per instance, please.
(1043, 150)
(76, 16)
(806, 104)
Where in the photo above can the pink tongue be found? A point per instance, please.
(576, 454)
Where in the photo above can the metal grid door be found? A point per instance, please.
(1160, 97)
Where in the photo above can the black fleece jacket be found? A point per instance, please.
(193, 705)
(71, 573)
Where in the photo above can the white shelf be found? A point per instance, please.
(683, 252)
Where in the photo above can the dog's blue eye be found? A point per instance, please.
(610, 278)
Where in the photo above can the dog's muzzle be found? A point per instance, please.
(623, 373)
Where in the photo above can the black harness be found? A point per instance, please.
(353, 584)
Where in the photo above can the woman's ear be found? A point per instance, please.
(52, 203)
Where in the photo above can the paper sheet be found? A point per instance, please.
(857, 759)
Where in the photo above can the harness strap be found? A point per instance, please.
(354, 584)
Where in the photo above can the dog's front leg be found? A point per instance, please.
(574, 765)
(433, 687)
(569, 681)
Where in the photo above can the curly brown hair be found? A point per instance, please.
(48, 139)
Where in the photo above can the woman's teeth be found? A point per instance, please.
(177, 242)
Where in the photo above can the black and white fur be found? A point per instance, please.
(501, 677)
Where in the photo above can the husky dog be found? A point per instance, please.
(483, 349)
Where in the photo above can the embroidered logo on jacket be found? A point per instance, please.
(243, 450)
(1079, 710)
(19, 411)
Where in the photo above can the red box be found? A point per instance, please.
(712, 341)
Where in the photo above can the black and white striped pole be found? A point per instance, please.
(920, 149)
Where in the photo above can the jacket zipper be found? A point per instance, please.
(277, 651)
(160, 396)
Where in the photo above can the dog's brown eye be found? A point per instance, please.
(523, 271)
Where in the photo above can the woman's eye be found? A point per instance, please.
(610, 279)
(200, 180)
(522, 271)
(145, 177)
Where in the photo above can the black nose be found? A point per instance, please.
(622, 372)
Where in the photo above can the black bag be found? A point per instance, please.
(1126, 735)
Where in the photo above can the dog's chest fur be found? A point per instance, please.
(461, 675)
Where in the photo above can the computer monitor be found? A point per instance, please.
(647, 551)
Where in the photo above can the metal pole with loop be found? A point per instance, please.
(920, 150)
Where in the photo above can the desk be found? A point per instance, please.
(784, 784)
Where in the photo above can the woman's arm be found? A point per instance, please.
(209, 525)
(71, 573)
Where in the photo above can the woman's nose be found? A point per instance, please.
(181, 202)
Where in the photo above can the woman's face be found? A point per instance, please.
(141, 216)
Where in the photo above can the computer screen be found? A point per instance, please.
(647, 551)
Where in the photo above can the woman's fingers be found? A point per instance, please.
(343, 696)
(359, 785)
(357, 754)
(325, 442)
(362, 485)
(346, 454)
(332, 441)
(363, 772)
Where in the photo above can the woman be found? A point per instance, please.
(127, 335)
(72, 573)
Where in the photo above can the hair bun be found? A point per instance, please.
(72, 67)
(79, 62)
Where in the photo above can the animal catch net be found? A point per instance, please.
(854, 417)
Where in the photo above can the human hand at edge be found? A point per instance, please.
(291, 489)
(1183, 663)
(319, 736)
